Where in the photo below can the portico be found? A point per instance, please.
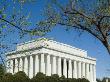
(51, 57)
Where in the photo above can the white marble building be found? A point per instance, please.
(51, 57)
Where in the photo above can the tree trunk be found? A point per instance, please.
(107, 46)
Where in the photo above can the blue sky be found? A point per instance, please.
(85, 41)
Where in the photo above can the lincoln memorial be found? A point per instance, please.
(51, 57)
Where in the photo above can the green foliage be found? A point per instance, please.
(48, 79)
(84, 80)
(55, 78)
(21, 77)
(40, 77)
(7, 78)
(62, 78)
(13, 20)
(103, 80)
(80, 15)
(75, 80)
(2, 70)
(98, 80)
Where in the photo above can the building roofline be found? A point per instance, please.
(14, 52)
(60, 43)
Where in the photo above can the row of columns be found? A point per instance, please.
(52, 65)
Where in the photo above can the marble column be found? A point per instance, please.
(75, 69)
(26, 65)
(79, 69)
(59, 66)
(83, 70)
(31, 67)
(23, 59)
(70, 69)
(65, 68)
(11, 66)
(48, 66)
(54, 65)
(87, 71)
(8, 66)
(20, 64)
(42, 64)
(36, 64)
(16, 66)
(94, 73)
(91, 73)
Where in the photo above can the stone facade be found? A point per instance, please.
(51, 57)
